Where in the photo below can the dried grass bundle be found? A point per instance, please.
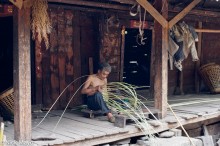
(40, 24)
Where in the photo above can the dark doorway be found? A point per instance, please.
(6, 52)
(137, 58)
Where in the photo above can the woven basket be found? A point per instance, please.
(7, 101)
(211, 76)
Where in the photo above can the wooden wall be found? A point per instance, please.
(80, 35)
(76, 37)
(54, 66)
(110, 46)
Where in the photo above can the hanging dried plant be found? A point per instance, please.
(40, 23)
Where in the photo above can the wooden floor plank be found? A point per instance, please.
(37, 133)
(62, 131)
(104, 124)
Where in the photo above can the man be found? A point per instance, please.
(93, 88)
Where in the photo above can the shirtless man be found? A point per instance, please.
(93, 88)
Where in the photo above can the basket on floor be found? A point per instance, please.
(7, 102)
(211, 76)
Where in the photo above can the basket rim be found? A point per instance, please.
(6, 92)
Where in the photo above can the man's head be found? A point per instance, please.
(103, 70)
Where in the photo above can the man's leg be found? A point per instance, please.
(100, 103)
(96, 102)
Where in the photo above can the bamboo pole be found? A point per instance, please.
(1, 133)
(181, 125)
(207, 30)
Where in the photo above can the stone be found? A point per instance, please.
(120, 121)
(154, 123)
(207, 140)
(218, 142)
(166, 134)
(175, 141)
(143, 142)
(177, 132)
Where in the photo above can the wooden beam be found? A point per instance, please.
(149, 8)
(22, 75)
(124, 1)
(91, 4)
(183, 13)
(203, 13)
(207, 30)
(160, 61)
(198, 63)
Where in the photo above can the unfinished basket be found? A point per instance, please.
(7, 101)
(211, 76)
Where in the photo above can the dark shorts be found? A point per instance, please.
(96, 102)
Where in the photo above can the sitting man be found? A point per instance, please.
(93, 88)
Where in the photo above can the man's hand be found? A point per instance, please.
(100, 88)
(93, 90)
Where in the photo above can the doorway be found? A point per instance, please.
(137, 58)
(6, 53)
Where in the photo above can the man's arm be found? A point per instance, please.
(87, 88)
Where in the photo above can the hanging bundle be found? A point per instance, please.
(40, 23)
(140, 37)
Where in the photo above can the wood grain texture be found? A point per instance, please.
(22, 75)
(161, 61)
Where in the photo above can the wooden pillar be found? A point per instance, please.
(22, 75)
(160, 60)
(198, 63)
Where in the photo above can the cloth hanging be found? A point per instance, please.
(183, 36)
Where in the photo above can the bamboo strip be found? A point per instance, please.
(180, 124)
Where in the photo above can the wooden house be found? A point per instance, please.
(85, 32)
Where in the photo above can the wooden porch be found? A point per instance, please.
(75, 129)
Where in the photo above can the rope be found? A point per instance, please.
(58, 99)
(67, 106)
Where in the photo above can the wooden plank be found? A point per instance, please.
(124, 1)
(76, 56)
(38, 73)
(206, 30)
(60, 131)
(161, 61)
(91, 4)
(196, 12)
(22, 74)
(198, 63)
(91, 66)
(92, 122)
(149, 8)
(39, 132)
(62, 56)
(67, 126)
(106, 130)
(183, 13)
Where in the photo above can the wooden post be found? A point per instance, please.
(198, 63)
(22, 75)
(122, 52)
(161, 60)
